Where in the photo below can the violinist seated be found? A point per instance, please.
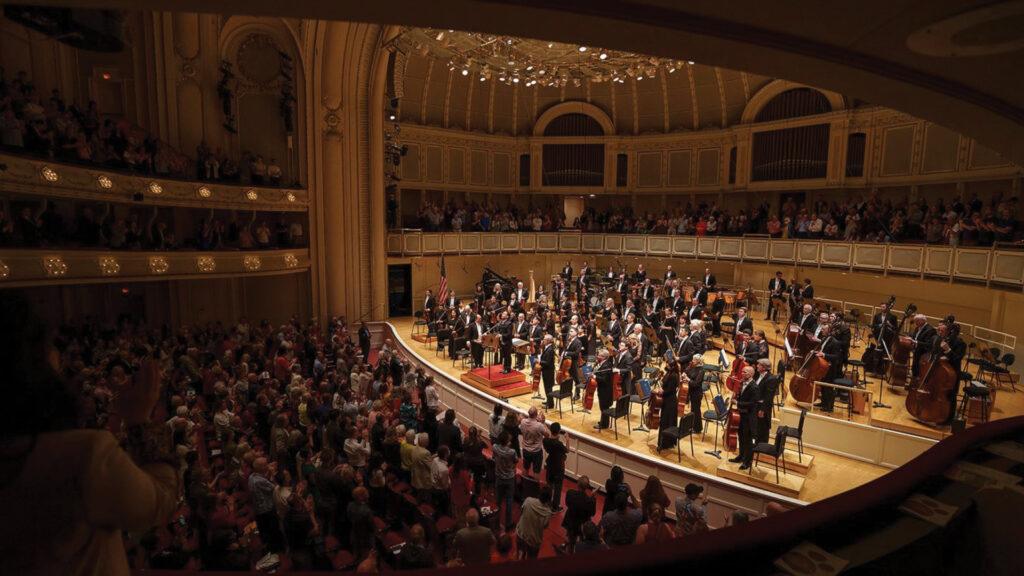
(754, 348)
(832, 351)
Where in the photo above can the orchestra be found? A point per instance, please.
(620, 323)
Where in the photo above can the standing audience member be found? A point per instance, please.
(473, 543)
(532, 522)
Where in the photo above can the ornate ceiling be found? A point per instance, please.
(465, 81)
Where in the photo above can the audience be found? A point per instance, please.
(874, 218)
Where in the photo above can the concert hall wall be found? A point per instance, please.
(974, 304)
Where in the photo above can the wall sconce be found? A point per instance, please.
(204, 192)
(54, 266)
(105, 182)
(252, 195)
(156, 188)
(291, 197)
(206, 264)
(49, 174)
(290, 261)
(158, 265)
(109, 266)
(252, 262)
(5, 271)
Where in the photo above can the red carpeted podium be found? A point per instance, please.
(497, 384)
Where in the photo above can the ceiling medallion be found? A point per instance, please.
(158, 265)
(513, 60)
(252, 262)
(49, 174)
(104, 182)
(206, 264)
(54, 266)
(109, 266)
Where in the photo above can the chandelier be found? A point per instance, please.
(513, 60)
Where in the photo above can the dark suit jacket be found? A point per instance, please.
(807, 292)
(547, 359)
(710, 281)
(769, 387)
(695, 313)
(745, 324)
(781, 288)
(748, 401)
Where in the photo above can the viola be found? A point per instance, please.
(588, 395)
(801, 386)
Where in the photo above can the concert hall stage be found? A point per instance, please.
(830, 474)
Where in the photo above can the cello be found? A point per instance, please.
(588, 394)
(929, 401)
(901, 347)
(535, 383)
(654, 410)
(735, 379)
(801, 386)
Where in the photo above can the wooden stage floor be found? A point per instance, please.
(830, 474)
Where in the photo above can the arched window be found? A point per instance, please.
(574, 124)
(794, 103)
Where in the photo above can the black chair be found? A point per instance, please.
(776, 451)
(719, 416)
(974, 389)
(620, 410)
(562, 392)
(798, 434)
(677, 433)
(1001, 370)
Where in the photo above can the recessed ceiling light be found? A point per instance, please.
(604, 56)
(465, 71)
(583, 48)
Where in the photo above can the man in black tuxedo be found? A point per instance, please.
(622, 286)
(808, 291)
(504, 329)
(883, 323)
(573, 350)
(923, 336)
(698, 337)
(452, 301)
(685, 349)
(695, 372)
(547, 369)
(748, 404)
(669, 273)
(520, 296)
(832, 351)
(567, 271)
(678, 302)
(364, 341)
(614, 329)
(743, 322)
(603, 373)
(700, 294)
(709, 279)
(695, 311)
(624, 364)
(768, 385)
(755, 348)
(647, 291)
(776, 289)
(521, 330)
(429, 303)
(807, 321)
(474, 332)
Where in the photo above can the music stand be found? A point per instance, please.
(491, 342)
(888, 376)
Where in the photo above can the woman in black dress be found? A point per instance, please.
(669, 404)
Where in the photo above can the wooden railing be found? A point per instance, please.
(51, 179)
(24, 267)
(990, 266)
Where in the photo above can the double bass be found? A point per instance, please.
(801, 386)
(929, 401)
(901, 347)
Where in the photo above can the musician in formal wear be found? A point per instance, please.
(474, 333)
(669, 404)
(822, 321)
(668, 327)
(795, 298)
(883, 324)
(614, 329)
(715, 316)
(452, 301)
(567, 271)
(807, 292)
(536, 336)
(521, 331)
(504, 330)
(658, 302)
(520, 295)
(753, 348)
(923, 335)
(628, 309)
(947, 345)
(609, 276)
(695, 376)
(700, 294)
(642, 349)
(776, 290)
(429, 303)
(456, 332)
(573, 350)
(640, 275)
(678, 303)
(807, 321)
(698, 336)
(609, 308)
(685, 348)
(584, 272)
(743, 322)
(647, 290)
(709, 279)
(625, 363)
(841, 331)
(669, 273)
(768, 385)
(547, 369)
(622, 286)
(695, 311)
(603, 372)
(748, 404)
(831, 350)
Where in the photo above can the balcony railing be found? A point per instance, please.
(991, 266)
(33, 267)
(53, 179)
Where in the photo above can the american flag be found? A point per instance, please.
(442, 290)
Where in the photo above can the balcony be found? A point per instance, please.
(30, 267)
(52, 179)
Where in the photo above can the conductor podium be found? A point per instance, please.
(490, 379)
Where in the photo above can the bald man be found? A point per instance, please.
(748, 404)
(473, 543)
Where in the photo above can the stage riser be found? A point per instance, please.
(887, 448)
